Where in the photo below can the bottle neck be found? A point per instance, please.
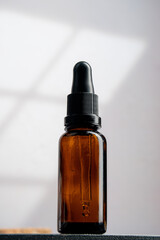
(68, 129)
(82, 120)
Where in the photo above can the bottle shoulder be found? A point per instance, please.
(102, 136)
(83, 133)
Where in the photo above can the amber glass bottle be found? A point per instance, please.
(82, 161)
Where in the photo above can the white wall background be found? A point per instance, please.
(40, 41)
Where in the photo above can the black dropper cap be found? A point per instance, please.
(82, 103)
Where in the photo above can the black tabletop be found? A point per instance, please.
(74, 237)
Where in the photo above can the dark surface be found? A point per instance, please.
(72, 237)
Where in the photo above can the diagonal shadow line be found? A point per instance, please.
(30, 92)
(33, 96)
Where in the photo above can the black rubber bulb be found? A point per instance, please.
(82, 78)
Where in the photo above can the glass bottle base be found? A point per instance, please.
(82, 228)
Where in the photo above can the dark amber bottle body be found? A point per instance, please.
(82, 199)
